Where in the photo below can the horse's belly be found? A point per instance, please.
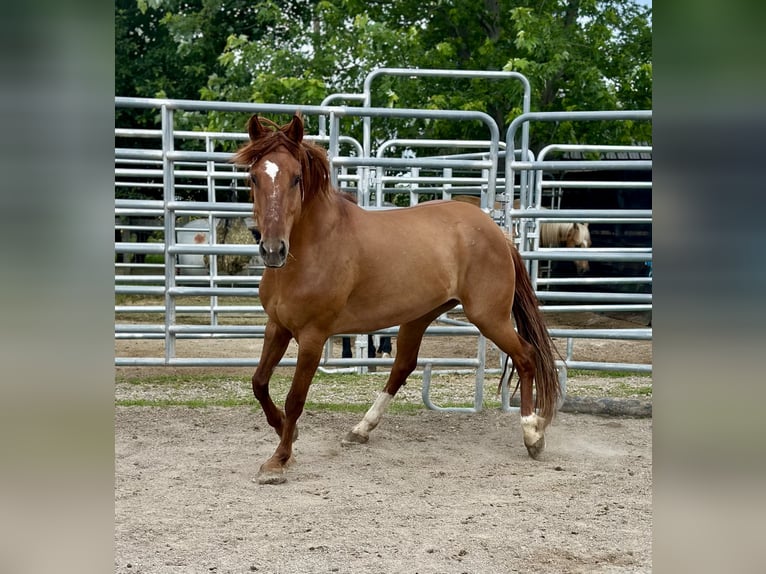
(404, 295)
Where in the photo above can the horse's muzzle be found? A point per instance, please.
(273, 252)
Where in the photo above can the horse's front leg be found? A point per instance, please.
(309, 354)
(275, 342)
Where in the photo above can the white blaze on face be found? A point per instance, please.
(271, 170)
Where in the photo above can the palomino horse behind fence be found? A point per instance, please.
(570, 234)
(333, 267)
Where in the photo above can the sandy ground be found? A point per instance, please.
(431, 492)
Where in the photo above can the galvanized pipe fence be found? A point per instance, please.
(179, 283)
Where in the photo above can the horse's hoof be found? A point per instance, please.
(352, 438)
(271, 478)
(273, 472)
(534, 450)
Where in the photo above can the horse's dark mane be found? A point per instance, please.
(313, 158)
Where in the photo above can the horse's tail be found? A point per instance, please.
(531, 327)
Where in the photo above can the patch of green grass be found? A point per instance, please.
(618, 390)
(604, 374)
(628, 390)
(335, 392)
(173, 380)
(190, 403)
(585, 390)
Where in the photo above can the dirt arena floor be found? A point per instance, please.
(432, 492)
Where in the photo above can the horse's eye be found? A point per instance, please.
(297, 181)
(253, 179)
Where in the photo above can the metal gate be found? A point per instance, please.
(171, 289)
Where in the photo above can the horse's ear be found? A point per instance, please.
(294, 129)
(254, 128)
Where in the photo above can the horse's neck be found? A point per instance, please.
(553, 234)
(317, 221)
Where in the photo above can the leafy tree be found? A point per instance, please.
(577, 54)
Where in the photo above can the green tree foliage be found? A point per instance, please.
(577, 54)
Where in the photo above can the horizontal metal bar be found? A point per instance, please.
(592, 280)
(143, 154)
(196, 279)
(288, 362)
(412, 162)
(179, 173)
(126, 247)
(259, 330)
(434, 143)
(218, 329)
(199, 156)
(585, 115)
(566, 184)
(132, 328)
(338, 111)
(186, 309)
(582, 165)
(576, 214)
(587, 255)
(593, 308)
(627, 334)
(627, 221)
(606, 297)
(214, 249)
(205, 206)
(432, 330)
(594, 366)
(479, 180)
(207, 291)
(138, 290)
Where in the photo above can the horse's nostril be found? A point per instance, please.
(282, 249)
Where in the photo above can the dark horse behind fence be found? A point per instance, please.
(333, 267)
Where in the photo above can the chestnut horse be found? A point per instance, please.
(333, 267)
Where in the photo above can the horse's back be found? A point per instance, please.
(436, 240)
(441, 222)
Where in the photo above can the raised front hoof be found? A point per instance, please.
(352, 438)
(537, 448)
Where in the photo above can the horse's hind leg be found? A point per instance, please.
(522, 353)
(407, 346)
